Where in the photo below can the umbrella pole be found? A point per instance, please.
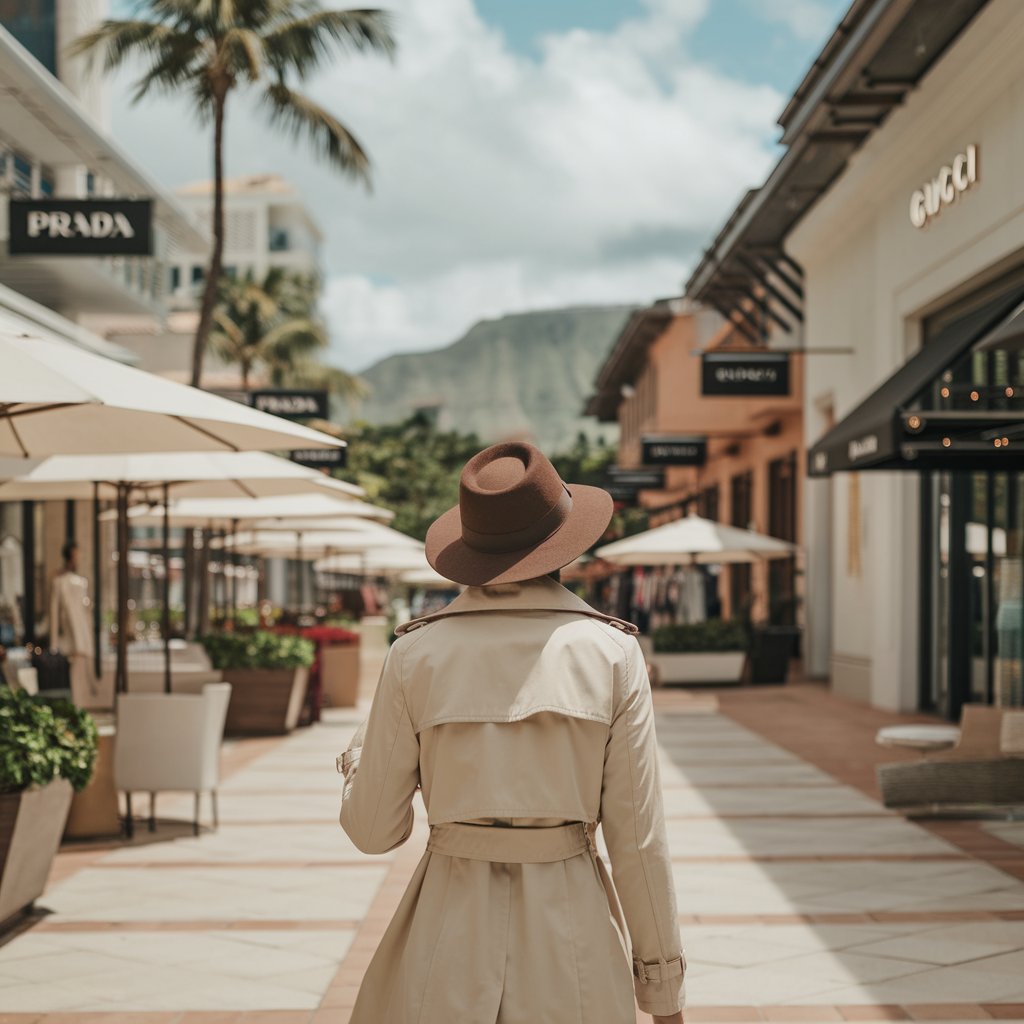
(203, 600)
(167, 589)
(299, 567)
(97, 585)
(121, 673)
(187, 579)
(234, 571)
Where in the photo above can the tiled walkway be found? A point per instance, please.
(801, 898)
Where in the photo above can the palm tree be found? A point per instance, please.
(272, 323)
(210, 48)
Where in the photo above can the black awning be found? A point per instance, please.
(889, 431)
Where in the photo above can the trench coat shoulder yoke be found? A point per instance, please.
(535, 595)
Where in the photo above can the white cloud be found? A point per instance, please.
(808, 20)
(592, 173)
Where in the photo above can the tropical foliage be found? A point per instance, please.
(258, 650)
(210, 49)
(411, 468)
(272, 325)
(42, 740)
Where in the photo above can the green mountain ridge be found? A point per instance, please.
(525, 375)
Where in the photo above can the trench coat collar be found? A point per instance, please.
(542, 594)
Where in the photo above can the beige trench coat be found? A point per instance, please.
(517, 706)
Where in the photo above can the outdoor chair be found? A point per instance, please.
(28, 680)
(170, 743)
(985, 768)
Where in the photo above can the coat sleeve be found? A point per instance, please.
(633, 821)
(382, 769)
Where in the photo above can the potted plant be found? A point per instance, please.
(334, 677)
(701, 652)
(47, 750)
(268, 673)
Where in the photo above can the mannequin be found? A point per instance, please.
(71, 628)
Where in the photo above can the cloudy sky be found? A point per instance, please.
(527, 154)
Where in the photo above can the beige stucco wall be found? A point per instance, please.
(871, 277)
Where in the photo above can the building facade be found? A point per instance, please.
(54, 146)
(897, 214)
(749, 468)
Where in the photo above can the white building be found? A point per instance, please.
(53, 145)
(266, 224)
(900, 199)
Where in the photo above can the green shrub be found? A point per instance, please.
(42, 740)
(701, 637)
(258, 650)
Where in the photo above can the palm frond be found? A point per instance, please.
(302, 44)
(328, 136)
(339, 382)
(116, 41)
(179, 61)
(243, 49)
(293, 339)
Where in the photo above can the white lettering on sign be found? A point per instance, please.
(862, 447)
(61, 224)
(288, 405)
(752, 374)
(952, 179)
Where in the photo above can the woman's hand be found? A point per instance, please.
(672, 1018)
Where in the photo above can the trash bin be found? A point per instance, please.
(771, 648)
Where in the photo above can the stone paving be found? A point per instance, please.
(801, 898)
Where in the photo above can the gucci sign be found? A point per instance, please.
(952, 179)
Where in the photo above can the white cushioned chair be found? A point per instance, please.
(170, 743)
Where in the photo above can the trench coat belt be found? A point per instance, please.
(505, 844)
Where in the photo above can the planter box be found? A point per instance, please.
(94, 811)
(699, 667)
(264, 701)
(339, 675)
(31, 824)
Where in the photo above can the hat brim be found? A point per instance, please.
(455, 560)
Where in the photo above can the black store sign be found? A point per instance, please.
(81, 227)
(321, 458)
(745, 373)
(675, 451)
(638, 479)
(291, 404)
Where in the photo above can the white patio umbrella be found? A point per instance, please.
(295, 511)
(213, 473)
(693, 540)
(57, 399)
(381, 561)
(356, 537)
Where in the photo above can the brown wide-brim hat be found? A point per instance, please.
(515, 520)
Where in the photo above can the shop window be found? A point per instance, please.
(175, 278)
(198, 273)
(782, 496)
(707, 503)
(22, 183)
(741, 509)
(34, 24)
(279, 241)
(45, 182)
(972, 523)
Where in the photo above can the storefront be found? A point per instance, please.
(914, 276)
(688, 390)
(889, 242)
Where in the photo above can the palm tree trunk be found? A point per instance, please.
(217, 256)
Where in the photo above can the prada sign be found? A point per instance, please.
(80, 227)
(291, 404)
(321, 458)
(674, 451)
(745, 373)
